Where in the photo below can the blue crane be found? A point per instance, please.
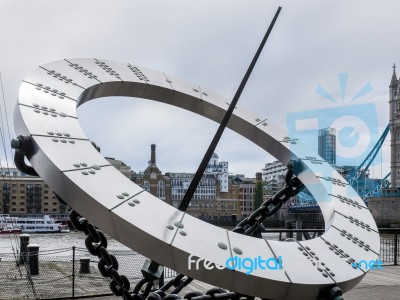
(304, 199)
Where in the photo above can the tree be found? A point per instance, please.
(258, 194)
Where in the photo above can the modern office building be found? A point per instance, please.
(327, 144)
(273, 171)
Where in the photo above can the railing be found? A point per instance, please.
(389, 245)
(71, 273)
(303, 233)
(68, 273)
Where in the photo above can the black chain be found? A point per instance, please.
(252, 225)
(96, 244)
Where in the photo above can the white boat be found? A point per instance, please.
(29, 224)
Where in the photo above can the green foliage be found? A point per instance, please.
(258, 195)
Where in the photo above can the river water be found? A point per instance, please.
(53, 241)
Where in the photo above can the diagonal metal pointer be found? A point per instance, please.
(207, 156)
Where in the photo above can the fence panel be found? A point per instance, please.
(60, 273)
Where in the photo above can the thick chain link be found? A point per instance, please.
(96, 244)
(252, 225)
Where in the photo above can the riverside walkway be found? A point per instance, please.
(377, 284)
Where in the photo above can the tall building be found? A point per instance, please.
(246, 197)
(386, 208)
(394, 123)
(327, 144)
(154, 181)
(274, 170)
(220, 170)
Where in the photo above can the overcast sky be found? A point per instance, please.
(211, 43)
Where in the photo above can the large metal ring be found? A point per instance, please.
(64, 157)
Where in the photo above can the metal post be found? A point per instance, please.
(161, 280)
(299, 235)
(33, 255)
(288, 225)
(395, 249)
(24, 242)
(73, 272)
(84, 266)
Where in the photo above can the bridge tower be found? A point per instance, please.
(394, 123)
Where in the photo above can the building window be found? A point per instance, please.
(161, 190)
(146, 185)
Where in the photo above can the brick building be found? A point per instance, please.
(21, 193)
(216, 197)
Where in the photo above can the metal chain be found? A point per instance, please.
(96, 244)
(252, 225)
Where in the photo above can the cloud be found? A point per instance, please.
(209, 43)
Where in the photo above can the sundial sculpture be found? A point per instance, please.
(51, 138)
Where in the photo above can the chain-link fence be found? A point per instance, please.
(63, 273)
(72, 272)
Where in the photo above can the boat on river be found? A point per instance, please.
(31, 224)
(9, 229)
